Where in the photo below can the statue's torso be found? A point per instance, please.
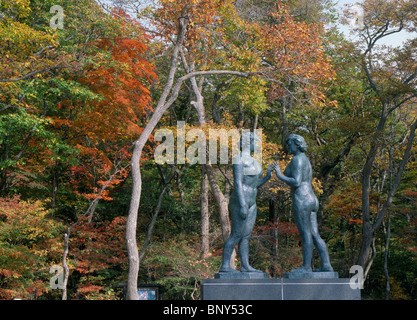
(303, 194)
(252, 172)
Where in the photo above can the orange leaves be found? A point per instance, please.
(103, 126)
(294, 51)
(282, 227)
(199, 12)
(89, 288)
(411, 194)
(98, 174)
(355, 221)
(57, 122)
(122, 84)
(206, 34)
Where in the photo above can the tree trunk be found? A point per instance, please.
(54, 189)
(386, 256)
(65, 265)
(369, 228)
(162, 106)
(205, 215)
(273, 218)
(367, 238)
(223, 205)
(390, 101)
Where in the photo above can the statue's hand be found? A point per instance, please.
(276, 167)
(270, 169)
(243, 213)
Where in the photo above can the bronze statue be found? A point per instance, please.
(298, 175)
(248, 178)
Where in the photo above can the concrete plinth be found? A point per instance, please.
(279, 289)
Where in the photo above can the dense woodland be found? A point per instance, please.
(79, 107)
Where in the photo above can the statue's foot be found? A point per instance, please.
(301, 269)
(228, 269)
(324, 268)
(250, 269)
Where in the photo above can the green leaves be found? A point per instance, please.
(250, 93)
(16, 129)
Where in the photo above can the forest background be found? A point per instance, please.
(80, 102)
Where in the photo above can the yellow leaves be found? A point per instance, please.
(295, 47)
(317, 186)
(17, 8)
(26, 225)
(20, 39)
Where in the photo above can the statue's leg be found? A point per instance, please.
(302, 219)
(244, 243)
(228, 248)
(234, 238)
(244, 256)
(230, 244)
(320, 245)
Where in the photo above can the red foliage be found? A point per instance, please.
(98, 246)
(104, 129)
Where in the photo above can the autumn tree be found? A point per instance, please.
(29, 245)
(72, 102)
(391, 74)
(297, 66)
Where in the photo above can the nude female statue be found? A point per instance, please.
(298, 175)
(248, 178)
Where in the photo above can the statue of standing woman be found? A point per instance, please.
(298, 175)
(247, 173)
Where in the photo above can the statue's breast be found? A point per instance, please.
(287, 171)
(251, 167)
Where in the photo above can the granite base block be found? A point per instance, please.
(242, 289)
(279, 289)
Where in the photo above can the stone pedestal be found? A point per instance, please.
(279, 289)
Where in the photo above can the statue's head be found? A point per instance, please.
(248, 139)
(298, 141)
